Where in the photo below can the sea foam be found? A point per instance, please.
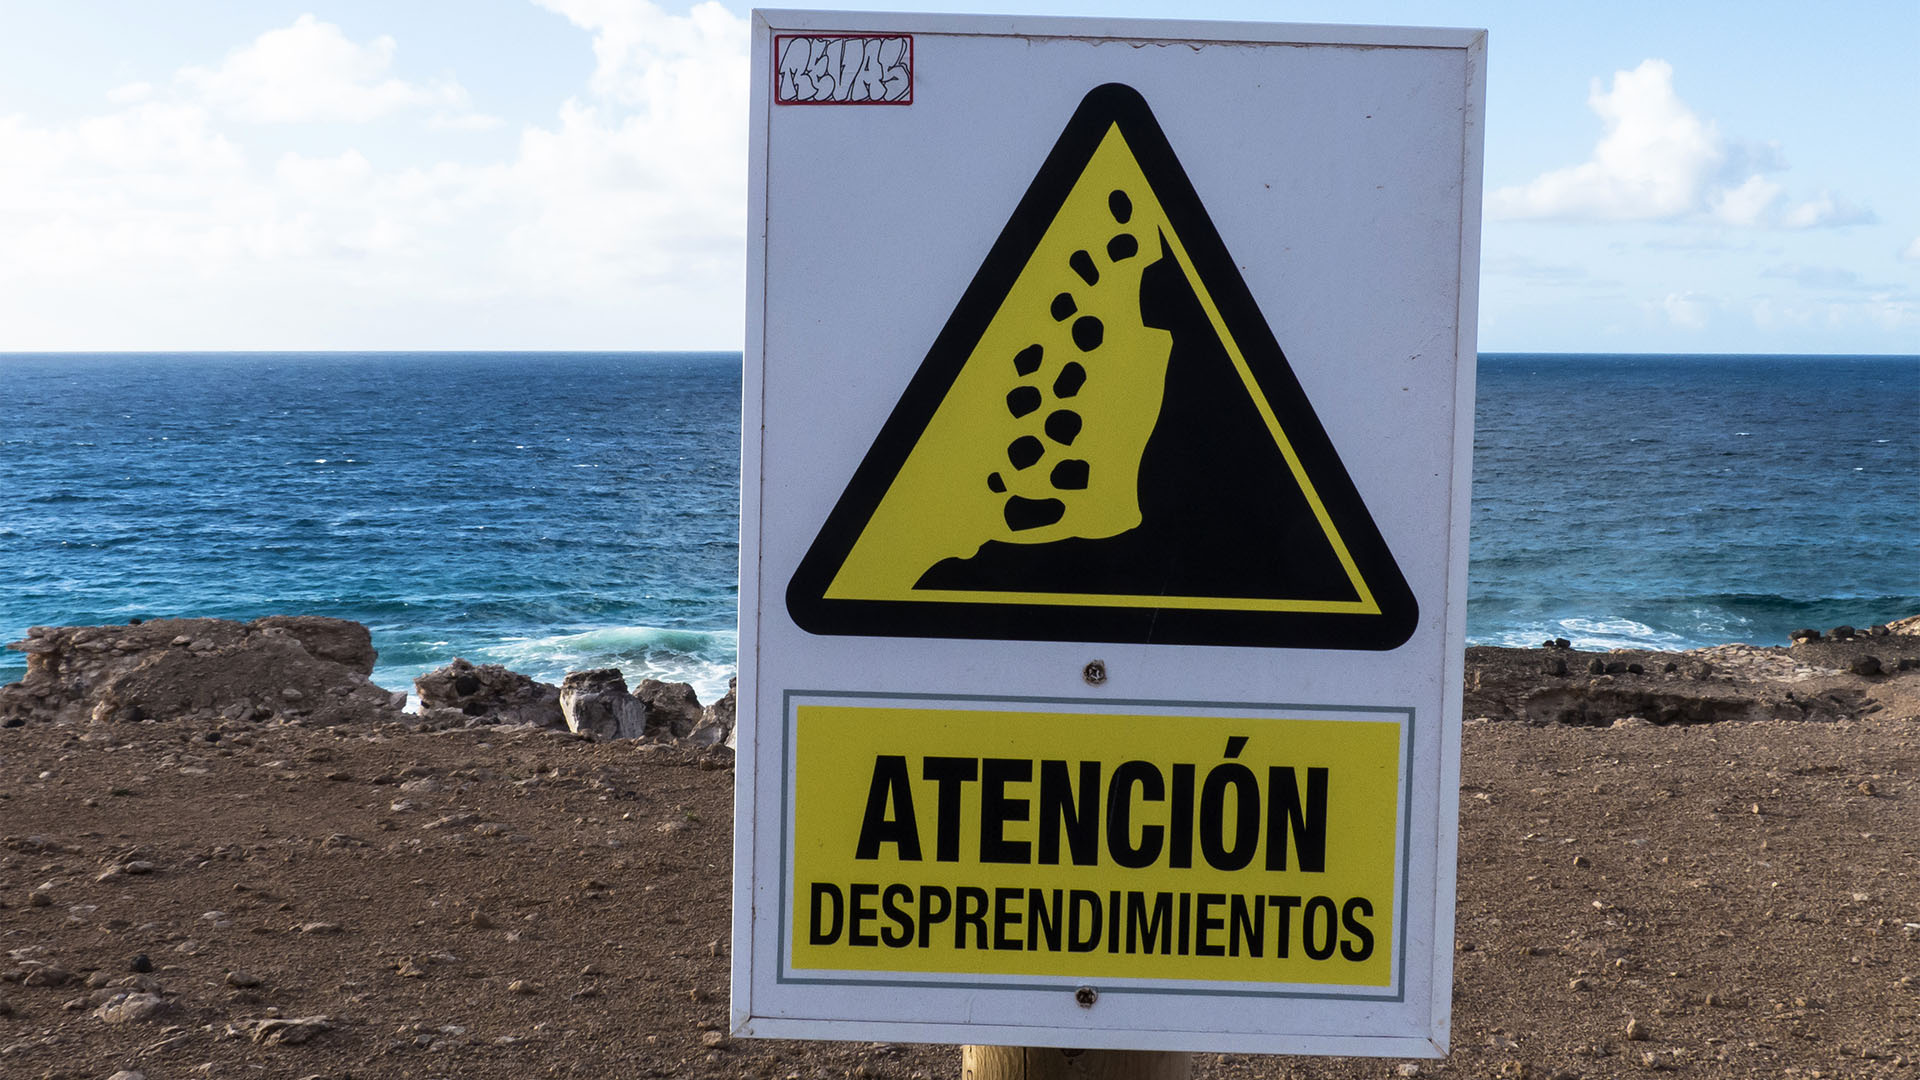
(705, 659)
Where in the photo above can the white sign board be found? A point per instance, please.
(1108, 407)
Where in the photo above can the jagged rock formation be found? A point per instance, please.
(597, 702)
(285, 666)
(1822, 678)
(716, 720)
(316, 670)
(488, 693)
(673, 708)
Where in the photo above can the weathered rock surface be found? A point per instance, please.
(674, 710)
(597, 703)
(315, 670)
(716, 721)
(1831, 678)
(274, 1031)
(129, 1007)
(489, 693)
(338, 640)
(291, 667)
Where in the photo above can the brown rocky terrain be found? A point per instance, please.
(1708, 871)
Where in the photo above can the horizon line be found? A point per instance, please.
(695, 351)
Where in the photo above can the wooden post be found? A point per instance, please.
(1048, 1063)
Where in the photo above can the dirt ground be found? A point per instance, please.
(189, 899)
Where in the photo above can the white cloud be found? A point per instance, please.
(1827, 278)
(322, 179)
(1773, 313)
(1826, 210)
(621, 221)
(1912, 252)
(1747, 204)
(1653, 160)
(1686, 310)
(152, 152)
(153, 188)
(1658, 160)
(463, 121)
(644, 55)
(311, 72)
(1881, 311)
(647, 181)
(1891, 311)
(130, 93)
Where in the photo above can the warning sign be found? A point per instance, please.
(1107, 409)
(972, 839)
(1106, 442)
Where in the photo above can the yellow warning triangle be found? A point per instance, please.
(1106, 443)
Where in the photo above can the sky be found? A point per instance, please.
(1714, 176)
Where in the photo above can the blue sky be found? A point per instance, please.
(1701, 177)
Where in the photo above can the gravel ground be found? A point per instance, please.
(225, 899)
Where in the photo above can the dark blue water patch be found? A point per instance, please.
(577, 508)
(1701, 499)
(447, 489)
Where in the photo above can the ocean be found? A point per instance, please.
(1673, 502)
(561, 511)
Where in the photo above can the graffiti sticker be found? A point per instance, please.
(843, 69)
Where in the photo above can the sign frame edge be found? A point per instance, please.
(741, 1016)
(1472, 43)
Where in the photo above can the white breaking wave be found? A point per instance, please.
(1603, 633)
(706, 659)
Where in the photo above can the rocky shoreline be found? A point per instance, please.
(1842, 674)
(1700, 863)
(314, 670)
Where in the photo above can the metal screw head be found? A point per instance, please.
(1086, 996)
(1095, 672)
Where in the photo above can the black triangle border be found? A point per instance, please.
(1104, 106)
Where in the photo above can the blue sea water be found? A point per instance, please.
(554, 512)
(544, 511)
(1679, 501)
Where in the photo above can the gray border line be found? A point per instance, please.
(788, 718)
